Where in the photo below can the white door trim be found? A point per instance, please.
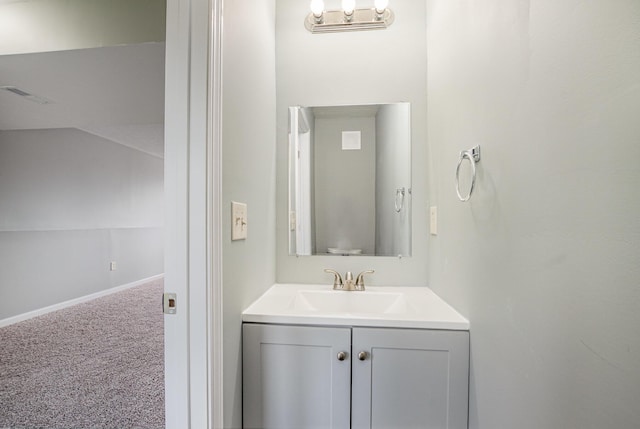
(214, 215)
(193, 337)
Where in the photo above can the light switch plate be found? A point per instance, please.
(238, 221)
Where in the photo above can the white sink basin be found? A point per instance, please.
(403, 307)
(354, 302)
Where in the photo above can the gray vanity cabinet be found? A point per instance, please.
(292, 378)
(296, 377)
(409, 378)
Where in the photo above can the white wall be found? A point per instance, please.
(55, 25)
(70, 203)
(353, 68)
(248, 175)
(544, 258)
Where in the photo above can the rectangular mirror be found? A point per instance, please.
(350, 180)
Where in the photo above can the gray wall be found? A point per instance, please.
(248, 175)
(345, 185)
(544, 258)
(393, 171)
(56, 25)
(353, 68)
(70, 203)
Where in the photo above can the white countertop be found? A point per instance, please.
(380, 306)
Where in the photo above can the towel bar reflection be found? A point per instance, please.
(473, 155)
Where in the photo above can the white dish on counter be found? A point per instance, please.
(337, 251)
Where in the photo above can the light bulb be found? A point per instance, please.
(317, 7)
(348, 6)
(381, 5)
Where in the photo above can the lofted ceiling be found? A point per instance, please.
(115, 92)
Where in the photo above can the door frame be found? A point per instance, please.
(193, 246)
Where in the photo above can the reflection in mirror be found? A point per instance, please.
(350, 180)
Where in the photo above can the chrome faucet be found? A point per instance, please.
(348, 281)
(360, 279)
(348, 284)
(337, 280)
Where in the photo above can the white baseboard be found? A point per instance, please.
(35, 313)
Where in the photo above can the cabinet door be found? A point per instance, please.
(293, 378)
(410, 378)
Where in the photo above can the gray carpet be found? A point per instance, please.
(98, 364)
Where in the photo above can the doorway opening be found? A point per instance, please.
(82, 232)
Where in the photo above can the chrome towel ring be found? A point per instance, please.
(473, 155)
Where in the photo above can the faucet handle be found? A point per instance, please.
(360, 279)
(337, 280)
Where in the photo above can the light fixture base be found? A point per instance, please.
(363, 19)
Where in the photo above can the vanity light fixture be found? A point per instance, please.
(348, 6)
(380, 6)
(349, 18)
(317, 11)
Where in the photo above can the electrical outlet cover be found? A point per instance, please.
(433, 220)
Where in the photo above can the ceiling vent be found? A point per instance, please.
(25, 94)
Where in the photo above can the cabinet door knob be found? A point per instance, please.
(342, 356)
(362, 355)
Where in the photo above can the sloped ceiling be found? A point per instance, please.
(115, 92)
